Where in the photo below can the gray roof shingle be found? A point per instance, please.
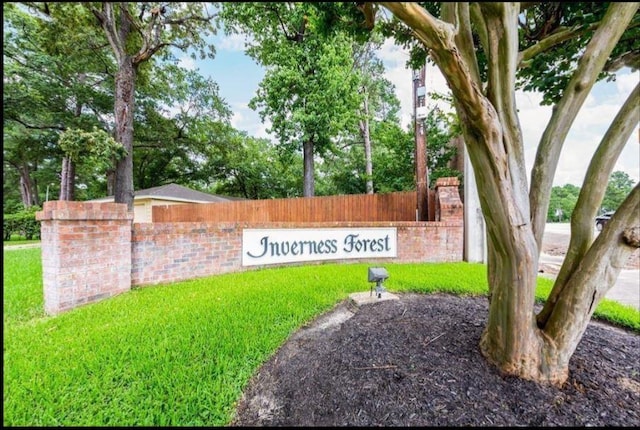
(178, 193)
(175, 191)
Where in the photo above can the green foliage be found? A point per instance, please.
(564, 198)
(313, 104)
(181, 354)
(441, 127)
(618, 188)
(562, 202)
(59, 74)
(549, 72)
(253, 168)
(393, 157)
(309, 91)
(55, 78)
(94, 147)
(23, 222)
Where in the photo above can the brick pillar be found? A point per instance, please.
(86, 252)
(449, 207)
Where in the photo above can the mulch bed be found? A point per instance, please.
(416, 362)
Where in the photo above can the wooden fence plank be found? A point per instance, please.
(398, 206)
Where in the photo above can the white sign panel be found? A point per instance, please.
(287, 245)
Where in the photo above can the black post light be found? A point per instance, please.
(377, 275)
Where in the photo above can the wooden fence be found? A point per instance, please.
(399, 206)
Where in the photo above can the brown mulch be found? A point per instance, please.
(416, 362)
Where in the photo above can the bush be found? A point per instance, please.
(23, 223)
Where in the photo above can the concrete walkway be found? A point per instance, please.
(23, 246)
(626, 290)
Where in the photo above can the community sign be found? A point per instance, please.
(288, 245)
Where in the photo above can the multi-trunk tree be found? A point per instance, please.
(485, 52)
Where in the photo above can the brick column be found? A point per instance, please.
(448, 204)
(86, 252)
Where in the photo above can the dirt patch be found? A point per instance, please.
(415, 362)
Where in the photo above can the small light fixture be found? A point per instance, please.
(377, 275)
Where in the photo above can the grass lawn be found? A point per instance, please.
(181, 354)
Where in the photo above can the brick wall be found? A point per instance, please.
(448, 203)
(91, 251)
(86, 252)
(168, 252)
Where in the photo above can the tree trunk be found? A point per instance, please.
(514, 340)
(124, 102)
(64, 174)
(364, 131)
(309, 184)
(111, 182)
(27, 188)
(511, 339)
(67, 180)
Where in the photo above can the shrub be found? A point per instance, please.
(23, 223)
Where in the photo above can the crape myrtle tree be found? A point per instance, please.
(486, 51)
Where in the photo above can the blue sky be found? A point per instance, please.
(238, 77)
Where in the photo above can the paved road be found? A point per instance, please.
(627, 287)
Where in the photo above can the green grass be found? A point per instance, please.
(181, 354)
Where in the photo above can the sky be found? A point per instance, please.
(238, 77)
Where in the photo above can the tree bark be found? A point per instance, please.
(309, 183)
(124, 102)
(513, 340)
(67, 180)
(589, 199)
(27, 187)
(565, 111)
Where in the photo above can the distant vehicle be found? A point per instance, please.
(601, 220)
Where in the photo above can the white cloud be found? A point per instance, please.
(232, 42)
(187, 63)
(248, 120)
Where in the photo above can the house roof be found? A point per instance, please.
(177, 192)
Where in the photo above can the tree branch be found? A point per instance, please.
(591, 195)
(552, 40)
(37, 127)
(604, 40)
